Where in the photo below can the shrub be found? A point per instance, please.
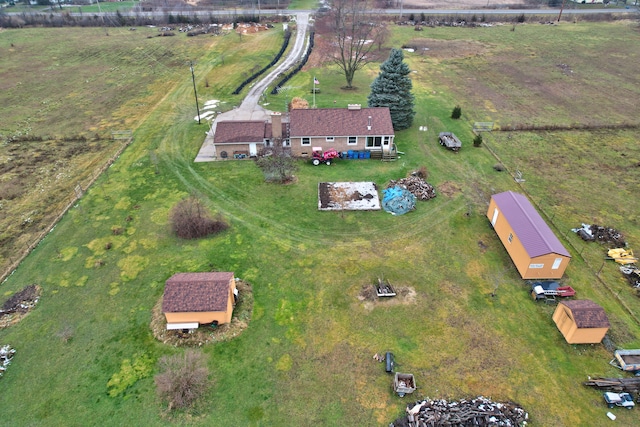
(457, 112)
(477, 141)
(182, 379)
(191, 220)
(499, 167)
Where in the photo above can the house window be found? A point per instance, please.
(374, 141)
(353, 140)
(329, 139)
(267, 143)
(510, 237)
(286, 143)
(306, 141)
(536, 265)
(386, 140)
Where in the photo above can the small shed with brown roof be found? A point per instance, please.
(581, 321)
(198, 298)
(533, 247)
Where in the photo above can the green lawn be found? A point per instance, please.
(307, 354)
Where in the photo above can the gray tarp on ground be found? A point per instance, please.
(398, 201)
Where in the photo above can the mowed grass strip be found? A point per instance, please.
(469, 327)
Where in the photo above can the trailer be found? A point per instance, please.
(384, 288)
(449, 140)
(549, 290)
(627, 360)
(403, 384)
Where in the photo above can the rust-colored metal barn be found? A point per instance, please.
(581, 321)
(533, 247)
(192, 299)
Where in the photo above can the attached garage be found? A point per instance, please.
(581, 321)
(533, 247)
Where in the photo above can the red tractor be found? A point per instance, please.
(319, 156)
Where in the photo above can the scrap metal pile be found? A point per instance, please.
(416, 185)
(475, 412)
(591, 232)
(6, 354)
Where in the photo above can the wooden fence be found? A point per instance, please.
(127, 138)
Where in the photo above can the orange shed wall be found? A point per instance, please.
(563, 319)
(586, 336)
(195, 316)
(519, 255)
(547, 272)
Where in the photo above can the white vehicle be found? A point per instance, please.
(619, 399)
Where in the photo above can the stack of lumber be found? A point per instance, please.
(629, 385)
(475, 412)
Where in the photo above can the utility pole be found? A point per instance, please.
(561, 9)
(193, 77)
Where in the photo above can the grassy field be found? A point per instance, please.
(307, 354)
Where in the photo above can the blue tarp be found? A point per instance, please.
(397, 200)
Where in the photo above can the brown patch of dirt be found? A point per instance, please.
(449, 188)
(405, 295)
(446, 49)
(19, 305)
(206, 334)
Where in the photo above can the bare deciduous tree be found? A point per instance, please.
(355, 35)
(182, 379)
(190, 219)
(276, 163)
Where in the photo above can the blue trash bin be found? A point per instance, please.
(361, 155)
(367, 154)
(350, 154)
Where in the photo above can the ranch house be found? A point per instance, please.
(533, 247)
(193, 299)
(343, 129)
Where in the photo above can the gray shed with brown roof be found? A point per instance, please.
(581, 321)
(199, 298)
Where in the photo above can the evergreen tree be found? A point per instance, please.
(392, 88)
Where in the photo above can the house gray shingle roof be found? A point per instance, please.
(340, 122)
(587, 314)
(534, 233)
(196, 292)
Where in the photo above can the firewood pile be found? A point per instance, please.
(475, 412)
(6, 354)
(590, 232)
(629, 385)
(416, 186)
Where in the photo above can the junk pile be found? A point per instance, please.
(622, 256)
(591, 232)
(632, 274)
(416, 185)
(398, 201)
(6, 354)
(475, 412)
(20, 302)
